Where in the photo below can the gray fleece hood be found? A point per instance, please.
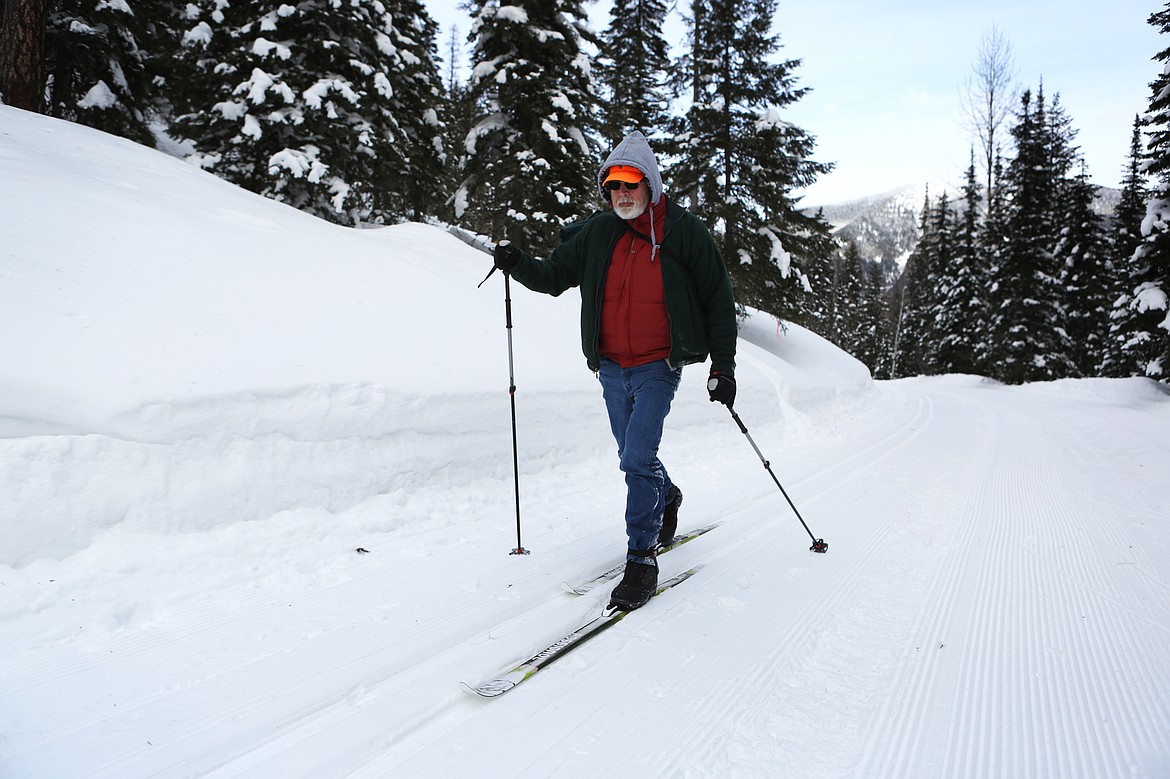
(634, 151)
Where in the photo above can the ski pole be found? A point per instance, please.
(512, 398)
(818, 544)
(519, 550)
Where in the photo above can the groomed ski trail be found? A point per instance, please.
(976, 615)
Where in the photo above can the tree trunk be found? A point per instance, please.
(22, 54)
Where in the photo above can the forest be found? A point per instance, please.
(361, 113)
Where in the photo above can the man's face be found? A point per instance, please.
(630, 203)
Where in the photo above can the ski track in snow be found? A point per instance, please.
(996, 673)
(987, 621)
(1040, 650)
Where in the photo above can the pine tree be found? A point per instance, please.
(1131, 207)
(738, 160)
(1148, 344)
(894, 286)
(1027, 327)
(412, 153)
(458, 115)
(828, 317)
(916, 345)
(873, 321)
(822, 278)
(324, 105)
(1080, 255)
(530, 161)
(849, 320)
(98, 71)
(1124, 240)
(962, 316)
(632, 68)
(943, 281)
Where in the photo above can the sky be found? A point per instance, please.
(887, 79)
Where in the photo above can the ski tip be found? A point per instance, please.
(491, 689)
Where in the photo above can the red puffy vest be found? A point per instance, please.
(634, 327)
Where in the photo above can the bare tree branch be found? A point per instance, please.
(989, 95)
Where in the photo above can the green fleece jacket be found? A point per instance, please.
(694, 280)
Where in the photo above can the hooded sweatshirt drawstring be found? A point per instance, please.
(653, 237)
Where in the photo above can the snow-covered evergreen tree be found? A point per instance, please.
(1124, 240)
(1148, 298)
(739, 161)
(1029, 342)
(458, 116)
(1085, 275)
(921, 293)
(98, 70)
(413, 152)
(849, 312)
(326, 105)
(873, 334)
(530, 161)
(943, 262)
(633, 69)
(961, 322)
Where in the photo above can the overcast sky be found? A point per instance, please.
(887, 78)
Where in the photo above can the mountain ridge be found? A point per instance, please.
(885, 226)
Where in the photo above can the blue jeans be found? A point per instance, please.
(638, 400)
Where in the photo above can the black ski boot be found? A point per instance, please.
(670, 516)
(637, 585)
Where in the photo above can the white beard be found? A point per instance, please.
(627, 212)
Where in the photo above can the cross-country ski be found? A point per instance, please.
(499, 685)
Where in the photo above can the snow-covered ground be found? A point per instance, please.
(209, 403)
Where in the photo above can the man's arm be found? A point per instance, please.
(713, 286)
(562, 270)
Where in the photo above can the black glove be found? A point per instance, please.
(721, 387)
(506, 256)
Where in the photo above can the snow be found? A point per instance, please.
(301, 163)
(260, 84)
(1149, 296)
(770, 119)
(512, 13)
(262, 47)
(116, 5)
(209, 403)
(99, 96)
(317, 93)
(200, 33)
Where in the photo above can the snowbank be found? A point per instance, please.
(190, 354)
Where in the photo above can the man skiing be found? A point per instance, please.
(655, 296)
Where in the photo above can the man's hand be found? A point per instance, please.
(721, 387)
(506, 256)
